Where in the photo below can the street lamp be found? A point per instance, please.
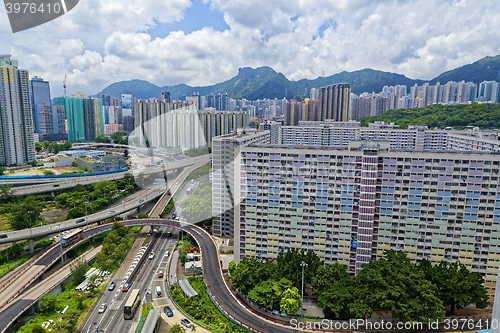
(60, 243)
(86, 218)
(302, 264)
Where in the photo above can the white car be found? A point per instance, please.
(151, 255)
(103, 308)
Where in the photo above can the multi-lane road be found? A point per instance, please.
(146, 279)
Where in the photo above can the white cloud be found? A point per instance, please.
(98, 43)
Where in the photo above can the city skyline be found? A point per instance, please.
(212, 39)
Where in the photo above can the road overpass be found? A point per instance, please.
(211, 270)
(70, 182)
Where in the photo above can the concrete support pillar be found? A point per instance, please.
(91, 240)
(152, 230)
(64, 258)
(32, 248)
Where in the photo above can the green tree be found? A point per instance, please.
(38, 146)
(393, 283)
(289, 264)
(102, 139)
(45, 144)
(79, 188)
(183, 258)
(263, 294)
(119, 228)
(176, 328)
(6, 194)
(79, 297)
(119, 136)
(290, 301)
(47, 304)
(48, 172)
(26, 213)
(38, 328)
(78, 269)
(336, 291)
(458, 287)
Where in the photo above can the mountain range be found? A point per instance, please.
(265, 82)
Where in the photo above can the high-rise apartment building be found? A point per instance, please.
(17, 144)
(165, 96)
(173, 125)
(51, 122)
(40, 94)
(274, 130)
(224, 150)
(334, 102)
(350, 204)
(84, 115)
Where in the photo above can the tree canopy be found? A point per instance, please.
(483, 115)
(389, 284)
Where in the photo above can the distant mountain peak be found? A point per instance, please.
(264, 82)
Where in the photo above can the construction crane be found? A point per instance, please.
(64, 84)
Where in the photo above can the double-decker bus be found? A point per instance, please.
(133, 302)
(73, 237)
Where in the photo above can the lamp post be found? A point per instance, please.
(302, 264)
(86, 217)
(60, 243)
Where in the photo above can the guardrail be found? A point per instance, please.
(24, 287)
(34, 301)
(30, 264)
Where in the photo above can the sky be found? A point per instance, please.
(203, 42)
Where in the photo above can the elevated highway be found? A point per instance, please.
(57, 184)
(211, 270)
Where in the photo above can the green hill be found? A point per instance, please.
(265, 82)
(485, 116)
(486, 69)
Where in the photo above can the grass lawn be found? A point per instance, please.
(146, 307)
(63, 299)
(134, 230)
(201, 307)
(14, 263)
(4, 223)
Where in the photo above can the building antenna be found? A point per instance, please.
(64, 84)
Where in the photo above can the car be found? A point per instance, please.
(103, 308)
(80, 220)
(141, 200)
(173, 215)
(186, 322)
(3, 236)
(177, 218)
(56, 185)
(126, 287)
(168, 311)
(168, 234)
(151, 255)
(167, 253)
(111, 211)
(168, 193)
(160, 274)
(112, 286)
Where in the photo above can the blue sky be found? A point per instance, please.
(196, 17)
(203, 42)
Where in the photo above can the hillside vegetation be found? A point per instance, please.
(265, 82)
(485, 116)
